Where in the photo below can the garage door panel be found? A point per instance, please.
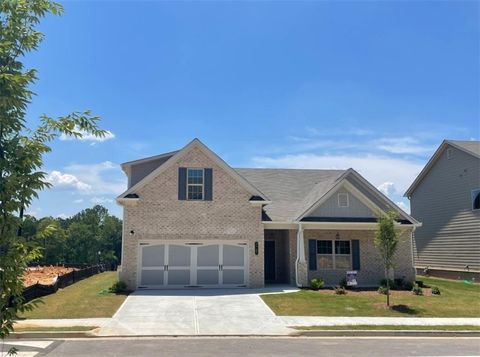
(153, 255)
(208, 277)
(178, 265)
(152, 277)
(208, 255)
(179, 277)
(233, 255)
(178, 255)
(234, 276)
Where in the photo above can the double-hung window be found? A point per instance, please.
(334, 254)
(195, 184)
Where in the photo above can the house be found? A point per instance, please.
(445, 197)
(191, 220)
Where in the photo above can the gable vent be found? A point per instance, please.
(343, 200)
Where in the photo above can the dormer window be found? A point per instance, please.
(343, 199)
(195, 184)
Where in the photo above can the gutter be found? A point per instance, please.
(299, 250)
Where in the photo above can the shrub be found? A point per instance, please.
(340, 290)
(383, 282)
(317, 284)
(398, 282)
(343, 283)
(419, 283)
(382, 290)
(417, 290)
(435, 290)
(407, 285)
(118, 287)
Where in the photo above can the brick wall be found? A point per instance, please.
(371, 267)
(159, 215)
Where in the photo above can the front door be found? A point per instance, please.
(270, 260)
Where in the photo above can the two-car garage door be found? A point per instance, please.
(178, 265)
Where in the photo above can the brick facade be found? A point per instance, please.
(159, 215)
(371, 267)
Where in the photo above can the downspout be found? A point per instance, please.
(411, 248)
(300, 253)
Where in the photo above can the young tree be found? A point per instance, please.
(22, 148)
(386, 241)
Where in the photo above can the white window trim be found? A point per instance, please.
(333, 255)
(196, 184)
(348, 199)
(473, 195)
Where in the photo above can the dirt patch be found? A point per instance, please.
(44, 275)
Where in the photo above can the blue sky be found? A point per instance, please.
(371, 85)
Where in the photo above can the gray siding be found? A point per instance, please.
(139, 171)
(450, 235)
(330, 207)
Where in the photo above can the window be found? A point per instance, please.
(324, 254)
(195, 184)
(343, 200)
(476, 199)
(327, 258)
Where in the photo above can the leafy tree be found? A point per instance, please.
(386, 241)
(22, 148)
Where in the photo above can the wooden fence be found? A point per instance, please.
(39, 290)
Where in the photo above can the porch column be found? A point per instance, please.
(301, 262)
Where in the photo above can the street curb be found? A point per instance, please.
(299, 333)
(387, 333)
(46, 334)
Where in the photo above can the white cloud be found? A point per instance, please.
(63, 216)
(80, 200)
(105, 178)
(387, 188)
(100, 200)
(403, 145)
(89, 137)
(57, 178)
(403, 206)
(377, 169)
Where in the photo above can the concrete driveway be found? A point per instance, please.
(196, 312)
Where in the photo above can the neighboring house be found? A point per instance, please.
(445, 197)
(190, 220)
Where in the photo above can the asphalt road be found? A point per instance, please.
(252, 346)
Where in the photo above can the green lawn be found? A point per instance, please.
(86, 298)
(392, 327)
(457, 299)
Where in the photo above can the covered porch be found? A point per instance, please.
(297, 253)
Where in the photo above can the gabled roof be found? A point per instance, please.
(288, 188)
(470, 147)
(164, 156)
(178, 155)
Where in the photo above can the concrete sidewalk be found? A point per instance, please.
(344, 321)
(279, 325)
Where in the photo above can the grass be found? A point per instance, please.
(392, 327)
(457, 299)
(84, 299)
(54, 329)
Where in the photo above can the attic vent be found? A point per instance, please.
(343, 200)
(449, 154)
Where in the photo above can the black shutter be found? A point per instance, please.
(355, 254)
(182, 183)
(208, 184)
(312, 254)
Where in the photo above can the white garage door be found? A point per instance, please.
(178, 265)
